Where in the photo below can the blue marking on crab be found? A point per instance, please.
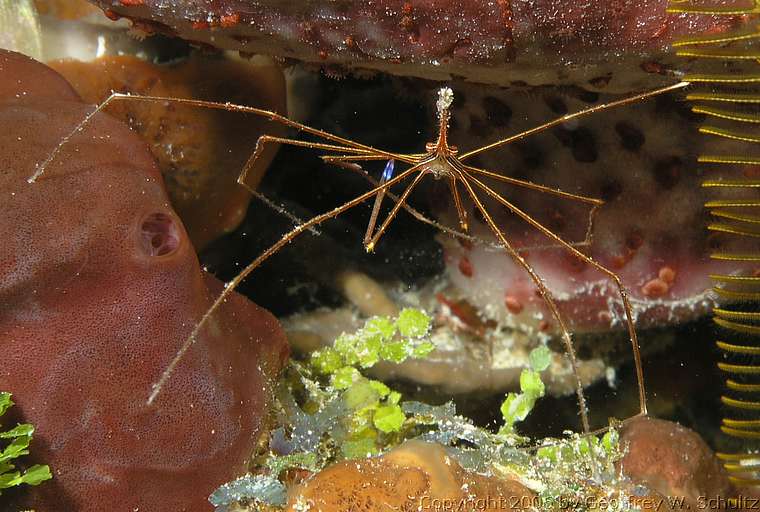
(388, 171)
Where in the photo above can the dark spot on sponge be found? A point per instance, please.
(667, 171)
(601, 82)
(497, 111)
(584, 145)
(478, 127)
(581, 142)
(634, 240)
(631, 138)
(611, 190)
(530, 153)
(583, 94)
(556, 105)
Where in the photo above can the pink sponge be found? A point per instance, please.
(99, 287)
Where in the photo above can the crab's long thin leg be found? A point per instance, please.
(589, 229)
(265, 139)
(337, 159)
(345, 161)
(387, 173)
(453, 232)
(359, 153)
(594, 202)
(280, 209)
(311, 145)
(575, 115)
(535, 186)
(614, 277)
(545, 294)
(231, 107)
(408, 158)
(461, 212)
(370, 246)
(284, 240)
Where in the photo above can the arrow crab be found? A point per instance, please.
(442, 161)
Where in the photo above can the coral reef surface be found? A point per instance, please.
(612, 44)
(664, 464)
(413, 476)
